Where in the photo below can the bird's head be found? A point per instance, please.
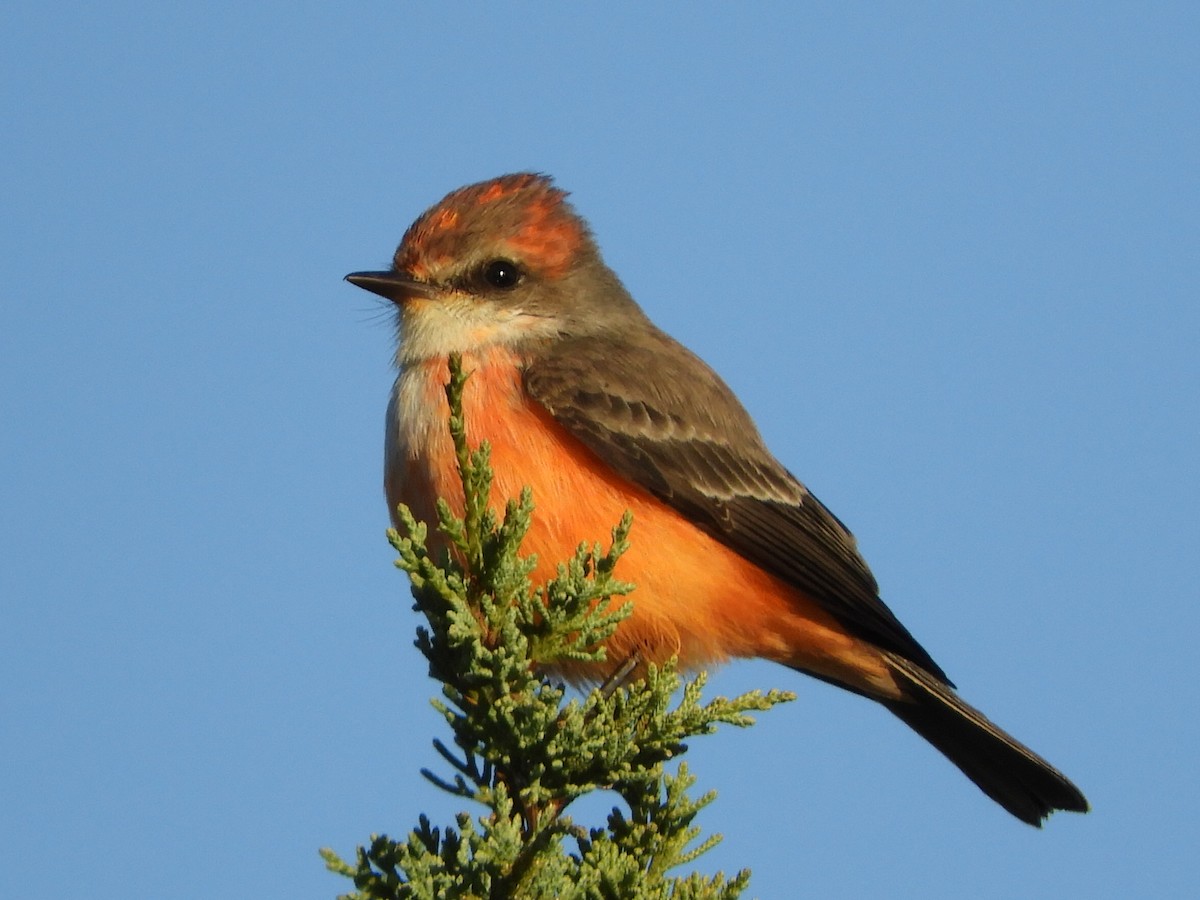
(505, 262)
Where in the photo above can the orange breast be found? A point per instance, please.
(694, 597)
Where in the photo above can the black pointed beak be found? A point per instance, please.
(390, 285)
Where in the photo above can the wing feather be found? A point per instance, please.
(662, 418)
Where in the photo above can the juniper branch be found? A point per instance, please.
(527, 751)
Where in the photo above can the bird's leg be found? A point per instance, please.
(621, 674)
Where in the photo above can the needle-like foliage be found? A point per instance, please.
(522, 747)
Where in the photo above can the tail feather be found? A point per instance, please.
(1002, 767)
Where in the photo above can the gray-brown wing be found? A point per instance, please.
(660, 417)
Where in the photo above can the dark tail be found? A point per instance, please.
(1003, 768)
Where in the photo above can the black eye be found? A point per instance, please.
(500, 273)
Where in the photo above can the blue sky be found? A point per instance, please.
(947, 254)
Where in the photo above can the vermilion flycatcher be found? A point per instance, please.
(584, 400)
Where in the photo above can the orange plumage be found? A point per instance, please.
(585, 401)
(695, 598)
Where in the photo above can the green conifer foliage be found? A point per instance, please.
(524, 748)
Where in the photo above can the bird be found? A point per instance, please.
(583, 399)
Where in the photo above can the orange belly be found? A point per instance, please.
(695, 598)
